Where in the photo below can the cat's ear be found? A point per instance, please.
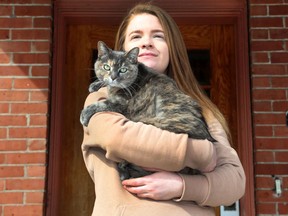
(132, 55)
(103, 49)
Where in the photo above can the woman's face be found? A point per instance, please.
(145, 31)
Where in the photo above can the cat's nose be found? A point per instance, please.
(113, 76)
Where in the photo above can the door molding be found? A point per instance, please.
(194, 12)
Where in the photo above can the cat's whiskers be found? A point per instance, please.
(126, 90)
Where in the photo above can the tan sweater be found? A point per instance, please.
(110, 138)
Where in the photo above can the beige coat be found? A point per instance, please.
(110, 138)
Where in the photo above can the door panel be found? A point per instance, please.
(76, 192)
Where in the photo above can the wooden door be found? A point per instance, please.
(76, 193)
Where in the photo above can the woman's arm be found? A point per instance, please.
(224, 185)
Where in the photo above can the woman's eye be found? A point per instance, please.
(106, 67)
(135, 37)
(159, 36)
(122, 70)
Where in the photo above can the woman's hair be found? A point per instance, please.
(179, 67)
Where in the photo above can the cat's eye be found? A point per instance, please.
(106, 67)
(122, 70)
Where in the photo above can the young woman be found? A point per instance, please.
(110, 138)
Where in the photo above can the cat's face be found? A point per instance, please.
(116, 68)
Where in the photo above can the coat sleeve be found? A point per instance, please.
(145, 145)
(223, 186)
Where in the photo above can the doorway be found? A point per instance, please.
(70, 189)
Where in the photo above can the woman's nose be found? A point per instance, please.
(147, 43)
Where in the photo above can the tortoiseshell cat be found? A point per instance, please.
(141, 94)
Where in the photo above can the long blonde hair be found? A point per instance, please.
(179, 67)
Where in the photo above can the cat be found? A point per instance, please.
(141, 94)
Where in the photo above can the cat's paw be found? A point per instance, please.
(85, 116)
(83, 119)
(95, 86)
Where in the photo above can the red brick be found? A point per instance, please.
(4, 108)
(30, 58)
(14, 96)
(281, 131)
(33, 10)
(28, 132)
(4, 34)
(2, 185)
(256, 10)
(5, 10)
(279, 82)
(265, 208)
(3, 133)
(263, 131)
(270, 196)
(271, 169)
(27, 210)
(259, 34)
(40, 46)
(2, 158)
(36, 145)
(280, 105)
(31, 108)
(269, 69)
(40, 71)
(42, 23)
(271, 143)
(264, 183)
(261, 82)
(11, 198)
(5, 83)
(279, 57)
(5, 58)
(16, 22)
(260, 57)
(266, 22)
(36, 171)
(13, 120)
(31, 34)
(281, 156)
(13, 145)
(269, 94)
(34, 197)
(25, 184)
(39, 96)
(36, 83)
(267, 45)
(38, 120)
(264, 156)
(278, 10)
(279, 33)
(25, 158)
(268, 118)
(13, 171)
(14, 71)
(265, 1)
(15, 46)
(283, 208)
(259, 106)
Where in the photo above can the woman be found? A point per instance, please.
(110, 138)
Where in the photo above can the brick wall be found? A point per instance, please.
(25, 41)
(269, 68)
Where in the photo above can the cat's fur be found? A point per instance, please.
(143, 95)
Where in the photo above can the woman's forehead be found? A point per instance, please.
(143, 21)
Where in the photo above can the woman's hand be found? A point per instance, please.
(160, 185)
